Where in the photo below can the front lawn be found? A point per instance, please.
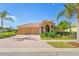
(7, 34)
(60, 45)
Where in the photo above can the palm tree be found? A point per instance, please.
(74, 10)
(68, 13)
(3, 16)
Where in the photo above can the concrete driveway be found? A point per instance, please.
(13, 42)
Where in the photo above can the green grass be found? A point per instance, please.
(59, 45)
(7, 34)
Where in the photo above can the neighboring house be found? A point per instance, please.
(35, 28)
(74, 29)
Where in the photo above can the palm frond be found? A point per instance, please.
(6, 16)
(69, 12)
(60, 14)
(7, 13)
(9, 19)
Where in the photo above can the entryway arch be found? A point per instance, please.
(42, 29)
(47, 28)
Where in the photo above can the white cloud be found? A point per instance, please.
(13, 17)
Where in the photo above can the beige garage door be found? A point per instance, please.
(34, 30)
(29, 30)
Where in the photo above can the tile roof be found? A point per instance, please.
(35, 24)
(31, 25)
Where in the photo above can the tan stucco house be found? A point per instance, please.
(35, 28)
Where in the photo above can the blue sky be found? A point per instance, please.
(31, 12)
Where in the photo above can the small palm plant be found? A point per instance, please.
(4, 16)
(63, 25)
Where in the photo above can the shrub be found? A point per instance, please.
(58, 36)
(43, 35)
(74, 33)
(66, 33)
(46, 34)
(7, 34)
(52, 34)
(63, 33)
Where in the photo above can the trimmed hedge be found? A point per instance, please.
(7, 34)
(58, 34)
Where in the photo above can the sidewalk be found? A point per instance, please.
(40, 51)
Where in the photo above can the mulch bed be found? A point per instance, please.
(60, 44)
(64, 44)
(75, 44)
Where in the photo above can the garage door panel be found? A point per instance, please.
(35, 30)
